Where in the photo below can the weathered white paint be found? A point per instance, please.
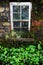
(21, 4)
(11, 16)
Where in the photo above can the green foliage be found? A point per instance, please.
(20, 34)
(12, 34)
(21, 56)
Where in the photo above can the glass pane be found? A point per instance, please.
(24, 24)
(25, 12)
(16, 8)
(24, 29)
(16, 29)
(16, 24)
(16, 16)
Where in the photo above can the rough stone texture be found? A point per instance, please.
(37, 25)
(4, 13)
(4, 16)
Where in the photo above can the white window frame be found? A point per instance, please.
(20, 3)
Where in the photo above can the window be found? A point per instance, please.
(20, 15)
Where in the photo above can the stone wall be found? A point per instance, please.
(4, 13)
(5, 17)
(37, 25)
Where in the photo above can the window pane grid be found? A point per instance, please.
(20, 12)
(20, 18)
(25, 12)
